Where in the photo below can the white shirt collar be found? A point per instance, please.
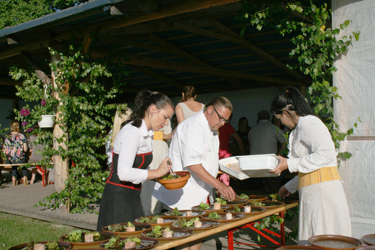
(144, 131)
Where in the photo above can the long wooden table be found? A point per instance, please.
(224, 227)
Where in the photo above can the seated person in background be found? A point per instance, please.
(14, 148)
(263, 139)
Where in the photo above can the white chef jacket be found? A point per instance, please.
(129, 142)
(310, 148)
(193, 143)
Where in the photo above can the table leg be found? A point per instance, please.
(230, 239)
(282, 229)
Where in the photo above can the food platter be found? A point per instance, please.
(269, 204)
(167, 220)
(257, 198)
(333, 241)
(183, 212)
(62, 245)
(239, 203)
(236, 216)
(211, 209)
(104, 236)
(139, 228)
(179, 233)
(254, 210)
(146, 243)
(206, 224)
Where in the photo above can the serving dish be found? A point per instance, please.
(369, 239)
(146, 243)
(139, 228)
(167, 220)
(63, 245)
(211, 209)
(103, 236)
(235, 216)
(334, 242)
(206, 224)
(269, 204)
(178, 183)
(254, 210)
(196, 213)
(179, 233)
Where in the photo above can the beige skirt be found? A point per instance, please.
(323, 210)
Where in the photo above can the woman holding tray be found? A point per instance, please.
(132, 154)
(323, 205)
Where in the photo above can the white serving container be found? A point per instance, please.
(257, 166)
(236, 174)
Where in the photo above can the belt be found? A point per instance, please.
(318, 176)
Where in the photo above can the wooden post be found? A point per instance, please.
(61, 167)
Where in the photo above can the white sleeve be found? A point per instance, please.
(315, 136)
(191, 145)
(130, 141)
(292, 185)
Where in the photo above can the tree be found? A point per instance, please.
(15, 12)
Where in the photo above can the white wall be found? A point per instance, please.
(356, 82)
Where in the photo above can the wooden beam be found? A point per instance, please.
(169, 10)
(159, 76)
(187, 56)
(185, 67)
(234, 38)
(41, 75)
(9, 81)
(28, 47)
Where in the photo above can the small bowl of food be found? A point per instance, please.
(175, 181)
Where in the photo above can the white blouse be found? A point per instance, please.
(129, 142)
(310, 148)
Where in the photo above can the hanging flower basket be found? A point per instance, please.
(47, 121)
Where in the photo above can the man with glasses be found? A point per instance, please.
(195, 148)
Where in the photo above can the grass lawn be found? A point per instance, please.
(15, 230)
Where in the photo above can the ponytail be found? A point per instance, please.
(143, 101)
(189, 92)
(291, 99)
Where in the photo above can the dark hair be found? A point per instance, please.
(219, 102)
(291, 99)
(189, 92)
(243, 118)
(264, 115)
(143, 101)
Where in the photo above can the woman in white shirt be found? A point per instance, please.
(132, 154)
(323, 205)
(188, 106)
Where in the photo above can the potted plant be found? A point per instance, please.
(48, 118)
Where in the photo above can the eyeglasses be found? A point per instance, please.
(221, 119)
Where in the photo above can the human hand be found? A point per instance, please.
(283, 165)
(227, 192)
(283, 192)
(165, 166)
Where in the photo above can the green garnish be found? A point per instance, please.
(204, 206)
(176, 212)
(214, 216)
(221, 201)
(170, 177)
(257, 204)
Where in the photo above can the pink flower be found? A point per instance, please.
(29, 130)
(43, 102)
(24, 124)
(24, 112)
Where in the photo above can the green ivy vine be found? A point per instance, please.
(84, 114)
(316, 47)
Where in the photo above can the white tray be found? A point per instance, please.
(236, 174)
(257, 166)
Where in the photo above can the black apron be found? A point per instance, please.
(121, 200)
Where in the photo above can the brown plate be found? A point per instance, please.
(146, 243)
(179, 233)
(139, 228)
(206, 224)
(332, 241)
(64, 245)
(211, 209)
(257, 198)
(196, 213)
(104, 236)
(269, 204)
(236, 216)
(167, 220)
(297, 247)
(254, 210)
(369, 239)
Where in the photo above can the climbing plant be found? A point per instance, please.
(316, 47)
(84, 114)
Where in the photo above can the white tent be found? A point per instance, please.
(356, 82)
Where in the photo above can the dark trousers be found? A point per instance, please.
(15, 168)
